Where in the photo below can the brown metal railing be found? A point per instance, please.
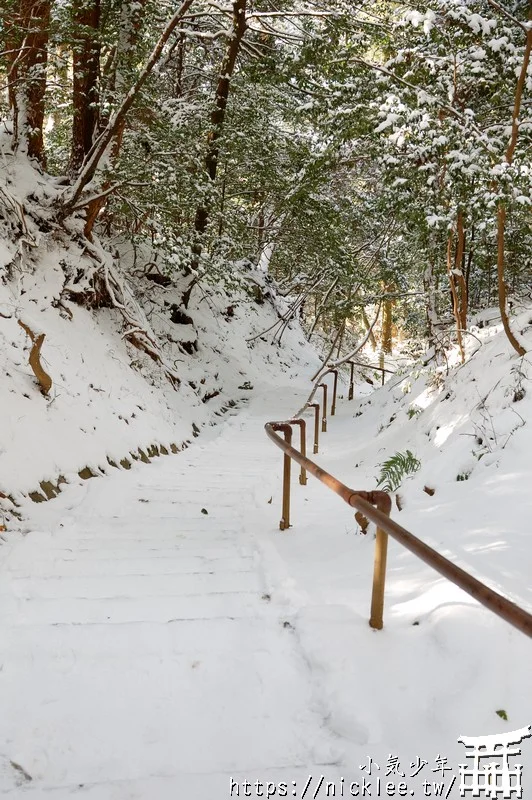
(376, 506)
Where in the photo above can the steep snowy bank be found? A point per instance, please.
(108, 397)
(443, 666)
(157, 650)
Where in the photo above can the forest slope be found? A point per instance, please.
(108, 398)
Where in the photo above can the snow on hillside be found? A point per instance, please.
(175, 578)
(443, 666)
(109, 399)
(166, 640)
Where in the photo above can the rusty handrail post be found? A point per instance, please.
(365, 502)
(324, 412)
(316, 407)
(376, 619)
(351, 381)
(303, 447)
(335, 389)
(286, 429)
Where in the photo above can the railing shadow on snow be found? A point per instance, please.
(376, 506)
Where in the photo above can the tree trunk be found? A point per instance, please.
(501, 285)
(387, 322)
(27, 78)
(501, 209)
(322, 306)
(261, 223)
(431, 310)
(131, 16)
(217, 122)
(454, 296)
(470, 258)
(460, 281)
(117, 118)
(85, 75)
(180, 66)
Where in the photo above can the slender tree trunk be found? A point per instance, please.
(222, 205)
(470, 258)
(131, 16)
(350, 356)
(341, 340)
(325, 361)
(11, 42)
(217, 122)
(501, 284)
(27, 77)
(459, 279)
(85, 75)
(501, 209)
(387, 321)
(431, 310)
(322, 306)
(454, 296)
(260, 232)
(180, 66)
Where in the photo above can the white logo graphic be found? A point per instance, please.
(496, 779)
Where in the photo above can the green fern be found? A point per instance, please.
(394, 469)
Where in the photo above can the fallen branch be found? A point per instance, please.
(353, 353)
(324, 368)
(334, 364)
(288, 315)
(45, 382)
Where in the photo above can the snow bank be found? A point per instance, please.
(443, 666)
(109, 398)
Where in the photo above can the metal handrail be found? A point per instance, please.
(376, 506)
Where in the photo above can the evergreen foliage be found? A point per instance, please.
(372, 157)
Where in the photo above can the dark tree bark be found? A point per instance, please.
(454, 296)
(458, 272)
(27, 76)
(116, 121)
(131, 18)
(85, 76)
(217, 122)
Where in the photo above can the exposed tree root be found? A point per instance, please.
(101, 286)
(139, 332)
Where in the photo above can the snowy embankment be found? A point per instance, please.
(144, 657)
(108, 398)
(165, 639)
(443, 666)
(161, 636)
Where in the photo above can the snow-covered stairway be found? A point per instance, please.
(141, 654)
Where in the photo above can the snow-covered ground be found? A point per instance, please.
(108, 399)
(161, 638)
(443, 666)
(143, 655)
